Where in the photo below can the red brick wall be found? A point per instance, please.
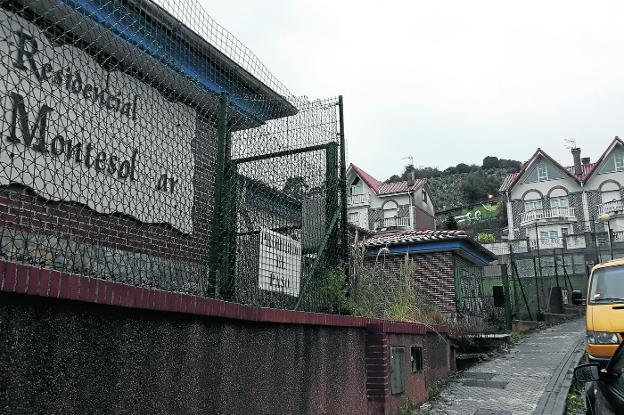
(433, 272)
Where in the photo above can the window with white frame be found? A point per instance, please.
(390, 210)
(530, 205)
(559, 202)
(354, 218)
(357, 187)
(618, 157)
(548, 235)
(542, 172)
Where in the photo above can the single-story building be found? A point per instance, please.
(446, 265)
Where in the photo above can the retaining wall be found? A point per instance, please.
(72, 344)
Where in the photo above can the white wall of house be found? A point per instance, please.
(358, 216)
(521, 188)
(597, 180)
(382, 201)
(426, 203)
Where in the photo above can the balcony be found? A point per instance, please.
(358, 200)
(395, 222)
(567, 241)
(610, 207)
(552, 214)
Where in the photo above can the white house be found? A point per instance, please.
(378, 206)
(554, 205)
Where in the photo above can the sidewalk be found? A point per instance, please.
(533, 378)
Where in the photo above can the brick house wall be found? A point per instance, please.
(433, 273)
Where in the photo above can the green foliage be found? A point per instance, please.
(407, 408)
(436, 389)
(462, 184)
(478, 184)
(328, 293)
(491, 162)
(575, 404)
(486, 238)
(376, 295)
(450, 224)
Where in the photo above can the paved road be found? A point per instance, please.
(533, 378)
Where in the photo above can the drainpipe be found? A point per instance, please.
(585, 206)
(510, 223)
(411, 211)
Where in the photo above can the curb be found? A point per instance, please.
(554, 398)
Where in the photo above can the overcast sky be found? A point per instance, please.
(447, 81)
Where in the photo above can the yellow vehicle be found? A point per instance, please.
(605, 310)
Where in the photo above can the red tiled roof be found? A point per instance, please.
(405, 237)
(400, 187)
(510, 179)
(368, 179)
(586, 169)
(386, 188)
(616, 140)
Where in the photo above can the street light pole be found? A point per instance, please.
(610, 239)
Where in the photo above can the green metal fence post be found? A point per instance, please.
(507, 292)
(515, 270)
(343, 188)
(331, 198)
(217, 232)
(537, 289)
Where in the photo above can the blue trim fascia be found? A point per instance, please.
(421, 248)
(154, 41)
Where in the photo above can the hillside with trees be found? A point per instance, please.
(462, 184)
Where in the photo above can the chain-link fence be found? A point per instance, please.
(146, 145)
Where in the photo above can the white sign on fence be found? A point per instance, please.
(280, 263)
(72, 130)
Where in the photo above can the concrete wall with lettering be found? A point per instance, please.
(101, 173)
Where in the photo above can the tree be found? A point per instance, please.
(491, 162)
(450, 224)
(476, 185)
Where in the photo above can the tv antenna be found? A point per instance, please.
(570, 143)
(410, 160)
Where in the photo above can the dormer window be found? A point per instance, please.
(619, 161)
(542, 172)
(357, 187)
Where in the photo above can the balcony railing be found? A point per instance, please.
(546, 243)
(363, 199)
(609, 207)
(552, 213)
(395, 222)
(567, 241)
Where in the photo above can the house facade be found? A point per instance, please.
(377, 206)
(554, 206)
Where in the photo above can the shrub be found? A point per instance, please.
(486, 238)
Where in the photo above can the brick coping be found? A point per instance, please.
(32, 280)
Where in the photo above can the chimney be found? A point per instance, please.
(576, 153)
(411, 179)
(585, 160)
